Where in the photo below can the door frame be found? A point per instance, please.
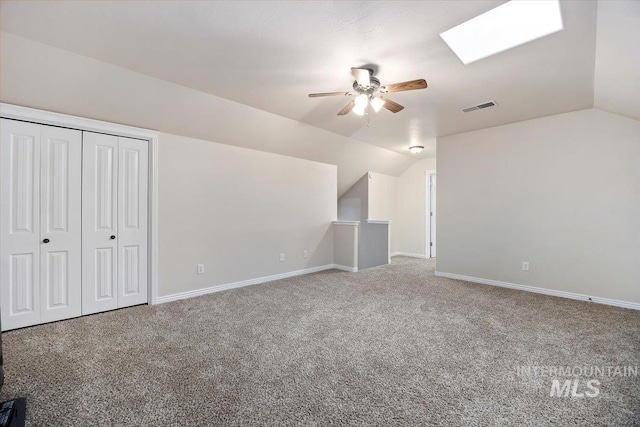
(427, 217)
(25, 114)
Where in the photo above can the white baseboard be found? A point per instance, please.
(249, 282)
(345, 268)
(571, 295)
(408, 254)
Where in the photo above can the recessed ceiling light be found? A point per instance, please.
(415, 149)
(509, 25)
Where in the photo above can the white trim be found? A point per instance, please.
(346, 222)
(17, 112)
(345, 268)
(243, 283)
(379, 221)
(154, 278)
(562, 294)
(409, 255)
(427, 225)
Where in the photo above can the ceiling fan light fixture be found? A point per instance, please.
(377, 103)
(361, 101)
(367, 91)
(359, 109)
(415, 149)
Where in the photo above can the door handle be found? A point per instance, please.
(113, 237)
(46, 241)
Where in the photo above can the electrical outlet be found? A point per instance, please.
(200, 268)
(281, 257)
(525, 266)
(305, 254)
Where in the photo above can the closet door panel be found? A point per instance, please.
(20, 234)
(132, 222)
(99, 222)
(60, 223)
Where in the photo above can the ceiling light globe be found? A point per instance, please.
(377, 104)
(359, 110)
(415, 149)
(361, 101)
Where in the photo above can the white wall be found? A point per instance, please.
(40, 76)
(235, 210)
(412, 203)
(562, 192)
(383, 202)
(617, 67)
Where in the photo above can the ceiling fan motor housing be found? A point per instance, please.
(374, 85)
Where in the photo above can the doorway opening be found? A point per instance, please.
(430, 226)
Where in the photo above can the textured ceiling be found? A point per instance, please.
(270, 55)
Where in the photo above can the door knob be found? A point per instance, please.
(113, 237)
(45, 241)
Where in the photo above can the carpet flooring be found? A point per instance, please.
(391, 345)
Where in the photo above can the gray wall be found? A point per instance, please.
(373, 249)
(345, 244)
(562, 192)
(373, 239)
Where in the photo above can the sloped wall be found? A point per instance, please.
(36, 75)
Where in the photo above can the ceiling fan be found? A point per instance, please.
(368, 92)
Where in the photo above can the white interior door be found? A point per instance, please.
(99, 222)
(132, 221)
(20, 234)
(60, 223)
(432, 203)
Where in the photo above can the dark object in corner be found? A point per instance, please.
(12, 412)
(1, 368)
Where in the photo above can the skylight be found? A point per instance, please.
(509, 25)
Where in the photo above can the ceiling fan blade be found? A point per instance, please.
(347, 109)
(410, 85)
(362, 76)
(392, 106)
(316, 95)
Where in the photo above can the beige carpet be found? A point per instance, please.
(391, 345)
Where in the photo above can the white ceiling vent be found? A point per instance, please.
(479, 106)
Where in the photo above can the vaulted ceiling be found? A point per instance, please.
(270, 55)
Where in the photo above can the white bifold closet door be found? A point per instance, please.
(40, 247)
(114, 222)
